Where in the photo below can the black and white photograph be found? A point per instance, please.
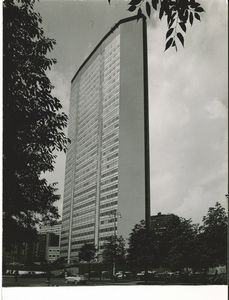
(115, 147)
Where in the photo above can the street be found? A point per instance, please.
(9, 281)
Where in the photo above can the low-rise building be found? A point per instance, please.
(161, 222)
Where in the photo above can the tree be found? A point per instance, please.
(177, 12)
(87, 253)
(114, 252)
(213, 237)
(32, 123)
(169, 248)
(181, 245)
(143, 248)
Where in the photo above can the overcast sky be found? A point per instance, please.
(187, 96)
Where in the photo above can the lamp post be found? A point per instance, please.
(115, 216)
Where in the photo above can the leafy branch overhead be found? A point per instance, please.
(33, 122)
(179, 13)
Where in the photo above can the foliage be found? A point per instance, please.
(181, 245)
(114, 251)
(87, 252)
(32, 122)
(143, 248)
(176, 12)
(213, 237)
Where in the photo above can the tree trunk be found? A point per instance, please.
(89, 271)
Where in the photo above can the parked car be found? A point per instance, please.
(141, 275)
(75, 279)
(120, 275)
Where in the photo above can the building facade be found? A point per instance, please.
(107, 165)
(161, 223)
(48, 243)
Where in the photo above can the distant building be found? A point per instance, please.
(48, 244)
(44, 247)
(106, 188)
(56, 229)
(161, 222)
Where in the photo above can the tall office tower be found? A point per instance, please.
(107, 166)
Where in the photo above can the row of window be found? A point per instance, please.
(109, 196)
(106, 213)
(82, 171)
(83, 226)
(85, 204)
(109, 173)
(108, 229)
(109, 188)
(87, 219)
(111, 107)
(108, 151)
(93, 110)
(110, 165)
(85, 197)
(85, 191)
(83, 242)
(110, 114)
(108, 221)
(110, 157)
(82, 213)
(110, 180)
(83, 234)
(109, 204)
(109, 136)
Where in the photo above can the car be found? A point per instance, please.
(142, 273)
(75, 279)
(120, 275)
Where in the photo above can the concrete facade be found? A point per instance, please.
(105, 177)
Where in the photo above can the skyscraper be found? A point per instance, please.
(107, 166)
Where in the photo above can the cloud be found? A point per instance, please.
(61, 89)
(188, 117)
(188, 100)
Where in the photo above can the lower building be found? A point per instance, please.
(48, 244)
(161, 222)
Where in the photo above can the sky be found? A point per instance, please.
(187, 98)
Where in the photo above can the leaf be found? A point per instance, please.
(161, 12)
(171, 23)
(154, 4)
(197, 16)
(199, 9)
(183, 27)
(195, 4)
(185, 16)
(169, 43)
(139, 14)
(169, 32)
(132, 8)
(191, 18)
(135, 2)
(180, 37)
(174, 45)
(148, 9)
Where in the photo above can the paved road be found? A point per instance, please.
(36, 282)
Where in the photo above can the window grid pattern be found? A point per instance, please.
(82, 154)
